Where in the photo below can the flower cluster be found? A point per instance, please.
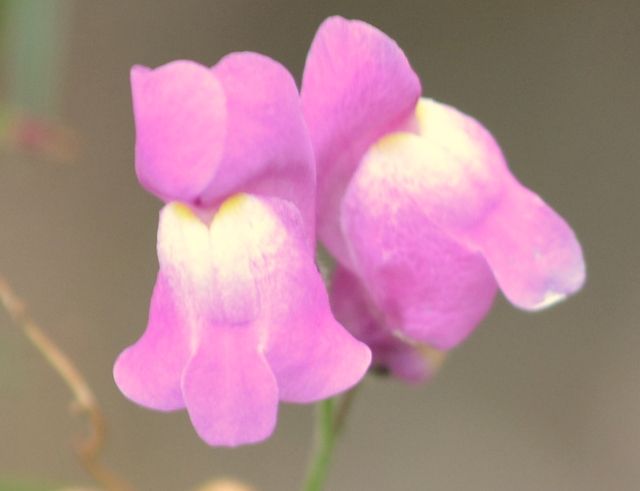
(413, 198)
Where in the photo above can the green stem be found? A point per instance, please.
(325, 440)
(330, 418)
(340, 411)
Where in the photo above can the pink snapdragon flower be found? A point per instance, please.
(417, 204)
(239, 317)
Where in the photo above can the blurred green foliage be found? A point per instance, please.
(34, 38)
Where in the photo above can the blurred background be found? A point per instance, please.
(546, 401)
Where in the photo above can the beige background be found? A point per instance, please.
(549, 401)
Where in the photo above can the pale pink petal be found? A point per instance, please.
(357, 86)
(229, 389)
(180, 118)
(531, 250)
(407, 363)
(427, 216)
(310, 354)
(431, 287)
(149, 372)
(258, 316)
(209, 265)
(356, 310)
(267, 150)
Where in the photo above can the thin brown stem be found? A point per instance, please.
(84, 402)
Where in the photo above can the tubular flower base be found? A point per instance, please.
(353, 307)
(239, 317)
(416, 202)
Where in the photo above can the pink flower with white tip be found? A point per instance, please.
(239, 317)
(417, 204)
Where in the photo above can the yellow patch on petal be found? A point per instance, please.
(232, 252)
(183, 245)
(471, 148)
(245, 223)
(421, 113)
(390, 142)
(182, 211)
(447, 168)
(232, 204)
(216, 269)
